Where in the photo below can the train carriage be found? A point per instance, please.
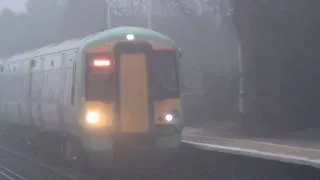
(111, 94)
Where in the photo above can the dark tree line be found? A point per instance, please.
(27, 30)
(281, 51)
(48, 21)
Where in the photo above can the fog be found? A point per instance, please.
(278, 43)
(204, 30)
(15, 5)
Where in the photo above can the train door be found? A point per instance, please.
(30, 89)
(133, 92)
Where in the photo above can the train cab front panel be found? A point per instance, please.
(100, 94)
(132, 97)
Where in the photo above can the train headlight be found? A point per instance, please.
(130, 37)
(171, 116)
(92, 117)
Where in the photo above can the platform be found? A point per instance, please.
(289, 150)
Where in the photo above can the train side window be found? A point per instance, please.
(32, 64)
(73, 83)
(63, 57)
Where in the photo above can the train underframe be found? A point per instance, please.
(113, 151)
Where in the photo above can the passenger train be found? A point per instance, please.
(109, 95)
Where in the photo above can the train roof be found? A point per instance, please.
(51, 48)
(111, 36)
(120, 33)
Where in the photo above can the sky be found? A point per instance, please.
(15, 5)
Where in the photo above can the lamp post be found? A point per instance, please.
(241, 82)
(108, 13)
(150, 14)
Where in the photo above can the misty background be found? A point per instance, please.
(15, 5)
(203, 29)
(279, 50)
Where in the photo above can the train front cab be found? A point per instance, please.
(133, 101)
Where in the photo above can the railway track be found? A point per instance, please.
(195, 164)
(12, 160)
(9, 151)
(9, 174)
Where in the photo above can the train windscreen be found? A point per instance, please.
(164, 79)
(100, 78)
